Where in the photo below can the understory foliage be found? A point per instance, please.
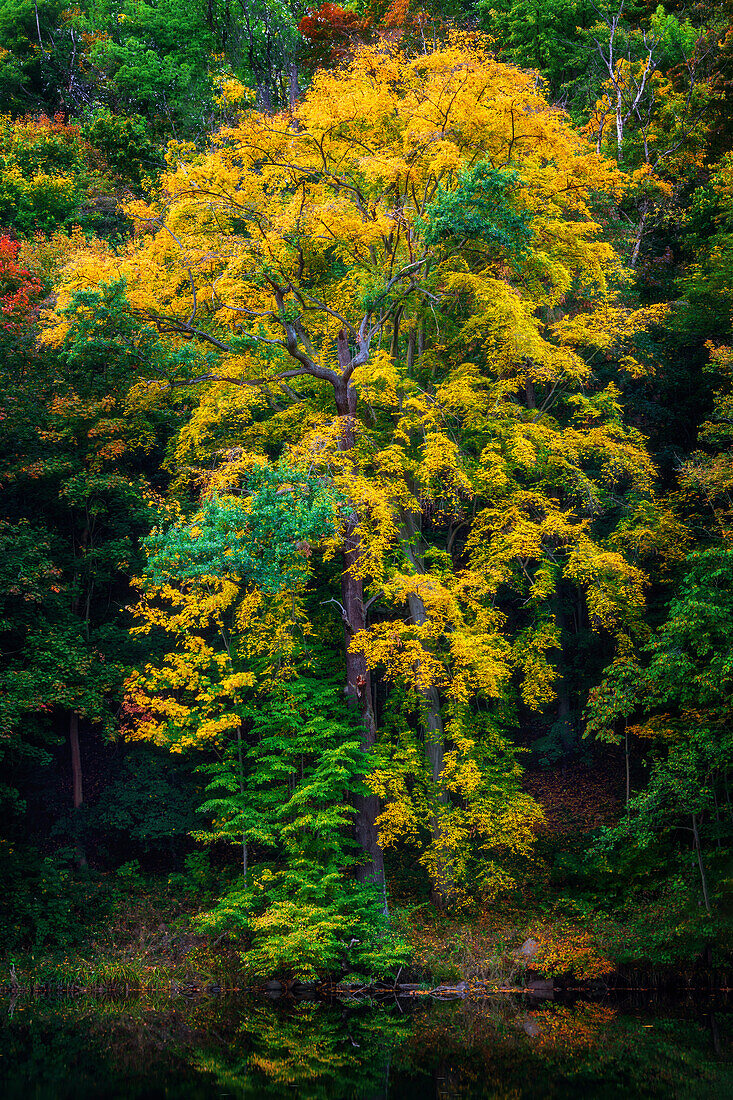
(365, 441)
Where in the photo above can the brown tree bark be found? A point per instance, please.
(293, 85)
(358, 687)
(76, 779)
(432, 714)
(76, 772)
(700, 864)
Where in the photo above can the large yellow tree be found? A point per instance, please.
(402, 286)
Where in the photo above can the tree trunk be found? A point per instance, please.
(640, 233)
(76, 773)
(240, 764)
(358, 688)
(76, 779)
(432, 716)
(264, 96)
(700, 864)
(358, 692)
(628, 769)
(619, 125)
(293, 86)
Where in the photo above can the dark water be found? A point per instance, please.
(504, 1047)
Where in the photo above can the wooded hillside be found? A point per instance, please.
(366, 521)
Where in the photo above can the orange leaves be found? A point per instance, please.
(566, 949)
(19, 290)
(396, 13)
(330, 25)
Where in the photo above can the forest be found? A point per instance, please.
(366, 526)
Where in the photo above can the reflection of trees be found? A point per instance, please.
(311, 1049)
(502, 1047)
(83, 1049)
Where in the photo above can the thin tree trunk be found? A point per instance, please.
(293, 87)
(628, 770)
(76, 773)
(241, 793)
(358, 687)
(410, 353)
(619, 126)
(529, 392)
(76, 779)
(639, 234)
(358, 692)
(432, 716)
(264, 96)
(698, 850)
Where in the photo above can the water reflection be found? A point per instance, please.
(503, 1047)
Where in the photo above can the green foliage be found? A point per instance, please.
(148, 801)
(678, 829)
(256, 1050)
(126, 145)
(154, 59)
(706, 284)
(165, 60)
(300, 908)
(541, 34)
(479, 208)
(490, 402)
(618, 695)
(29, 70)
(260, 540)
(44, 904)
(46, 175)
(691, 658)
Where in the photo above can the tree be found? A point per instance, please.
(434, 369)
(287, 757)
(74, 506)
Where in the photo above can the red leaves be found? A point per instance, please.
(19, 289)
(331, 26)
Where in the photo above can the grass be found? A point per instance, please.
(143, 944)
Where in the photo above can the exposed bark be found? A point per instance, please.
(264, 97)
(358, 687)
(432, 714)
(295, 342)
(76, 779)
(628, 767)
(530, 394)
(410, 354)
(293, 86)
(76, 772)
(700, 864)
(640, 232)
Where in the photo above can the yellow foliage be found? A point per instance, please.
(447, 392)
